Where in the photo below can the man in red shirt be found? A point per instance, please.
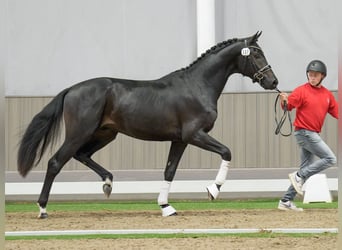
(312, 102)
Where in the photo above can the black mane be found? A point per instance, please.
(213, 49)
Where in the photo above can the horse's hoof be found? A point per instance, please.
(213, 191)
(42, 212)
(210, 197)
(168, 210)
(107, 189)
(43, 216)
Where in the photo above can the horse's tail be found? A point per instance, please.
(43, 130)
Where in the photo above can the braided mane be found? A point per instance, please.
(213, 49)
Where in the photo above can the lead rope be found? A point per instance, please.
(286, 114)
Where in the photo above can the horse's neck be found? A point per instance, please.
(213, 73)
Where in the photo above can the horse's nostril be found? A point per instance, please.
(275, 83)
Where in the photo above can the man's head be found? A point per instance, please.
(315, 72)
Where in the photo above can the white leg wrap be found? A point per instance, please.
(164, 193)
(163, 200)
(213, 190)
(168, 211)
(222, 173)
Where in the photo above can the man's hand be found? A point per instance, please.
(283, 98)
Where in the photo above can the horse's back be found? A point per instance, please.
(150, 110)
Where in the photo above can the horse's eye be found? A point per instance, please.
(257, 56)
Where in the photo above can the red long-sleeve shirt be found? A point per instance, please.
(312, 104)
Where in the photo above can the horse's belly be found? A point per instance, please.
(153, 134)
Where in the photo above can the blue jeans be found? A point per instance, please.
(311, 145)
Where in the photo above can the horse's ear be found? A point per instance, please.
(256, 36)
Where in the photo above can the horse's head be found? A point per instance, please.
(252, 63)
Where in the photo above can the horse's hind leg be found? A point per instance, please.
(175, 154)
(74, 139)
(106, 176)
(55, 165)
(100, 139)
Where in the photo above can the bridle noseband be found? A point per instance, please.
(260, 74)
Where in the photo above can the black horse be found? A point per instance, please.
(180, 107)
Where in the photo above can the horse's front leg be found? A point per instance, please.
(205, 141)
(214, 189)
(175, 154)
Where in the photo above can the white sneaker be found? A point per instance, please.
(289, 205)
(296, 182)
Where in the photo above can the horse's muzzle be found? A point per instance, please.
(275, 84)
(266, 84)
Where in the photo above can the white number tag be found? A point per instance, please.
(245, 52)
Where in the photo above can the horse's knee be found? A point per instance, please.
(169, 174)
(226, 154)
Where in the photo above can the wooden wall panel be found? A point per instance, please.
(245, 124)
